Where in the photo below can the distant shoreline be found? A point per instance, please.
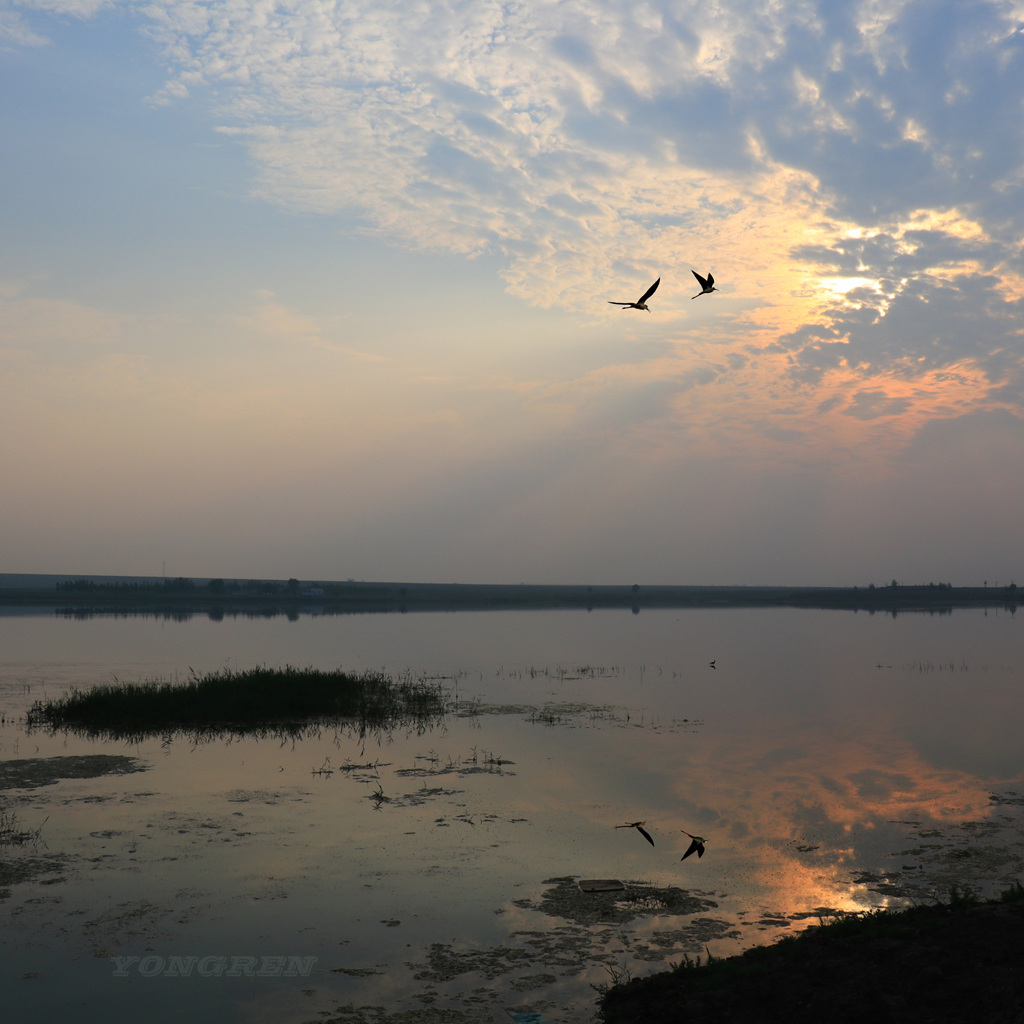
(219, 597)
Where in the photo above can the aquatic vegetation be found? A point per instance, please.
(617, 975)
(45, 870)
(378, 1015)
(1013, 894)
(12, 832)
(566, 901)
(32, 772)
(260, 701)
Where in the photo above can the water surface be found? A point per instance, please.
(833, 761)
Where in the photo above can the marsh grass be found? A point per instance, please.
(12, 833)
(261, 701)
(956, 958)
(1013, 894)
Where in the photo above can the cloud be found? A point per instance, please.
(30, 322)
(590, 143)
(15, 31)
(561, 136)
(869, 405)
(907, 117)
(68, 8)
(852, 175)
(456, 125)
(934, 302)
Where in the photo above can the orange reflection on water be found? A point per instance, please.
(801, 817)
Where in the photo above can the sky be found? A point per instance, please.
(321, 288)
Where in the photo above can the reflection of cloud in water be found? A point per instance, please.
(806, 817)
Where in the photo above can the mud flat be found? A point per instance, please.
(32, 772)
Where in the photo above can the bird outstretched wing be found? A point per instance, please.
(695, 847)
(650, 291)
(639, 826)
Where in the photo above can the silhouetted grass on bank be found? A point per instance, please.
(948, 962)
(252, 701)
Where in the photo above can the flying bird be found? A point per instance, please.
(697, 846)
(638, 825)
(707, 285)
(641, 303)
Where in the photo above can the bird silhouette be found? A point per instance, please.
(639, 826)
(711, 664)
(697, 846)
(707, 285)
(641, 303)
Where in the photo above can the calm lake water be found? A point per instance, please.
(832, 760)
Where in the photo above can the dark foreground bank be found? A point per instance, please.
(961, 962)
